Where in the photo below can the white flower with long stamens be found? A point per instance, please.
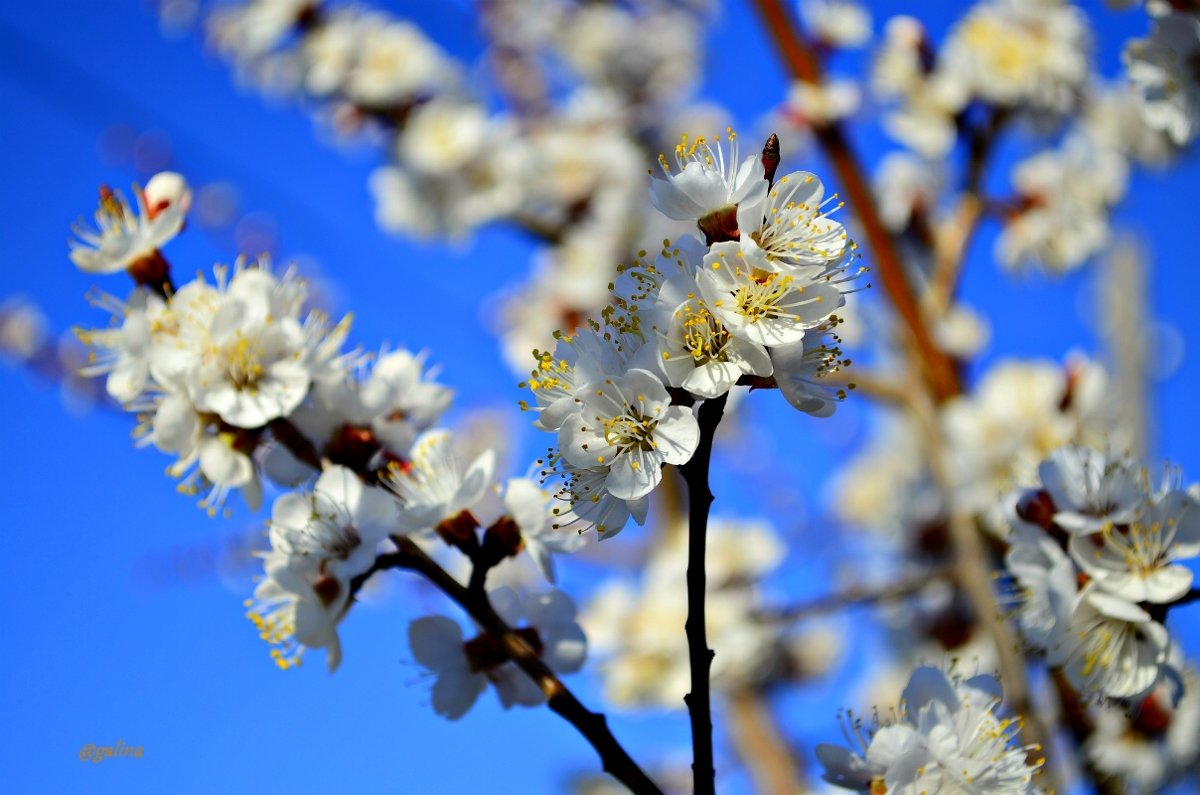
(706, 180)
(945, 738)
(123, 237)
(970, 749)
(697, 352)
(1112, 648)
(587, 503)
(1092, 491)
(208, 458)
(792, 225)
(123, 352)
(320, 541)
(803, 373)
(542, 532)
(865, 769)
(626, 424)
(1138, 561)
(758, 301)
(433, 487)
(579, 358)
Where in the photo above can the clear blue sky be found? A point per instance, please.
(122, 631)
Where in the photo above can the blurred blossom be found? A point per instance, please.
(23, 328)
(837, 23)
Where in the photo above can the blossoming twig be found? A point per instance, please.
(700, 497)
(592, 725)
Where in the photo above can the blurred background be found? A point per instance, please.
(127, 599)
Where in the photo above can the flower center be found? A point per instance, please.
(630, 431)
(244, 365)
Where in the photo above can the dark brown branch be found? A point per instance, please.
(803, 63)
(700, 497)
(592, 725)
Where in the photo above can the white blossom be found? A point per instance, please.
(626, 424)
(320, 541)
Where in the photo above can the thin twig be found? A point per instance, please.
(804, 64)
(700, 498)
(855, 596)
(592, 725)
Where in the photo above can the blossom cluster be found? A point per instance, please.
(755, 300)
(945, 736)
(240, 383)
(1027, 61)
(1096, 558)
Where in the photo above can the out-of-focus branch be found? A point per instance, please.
(773, 765)
(972, 573)
(854, 597)
(955, 235)
(804, 64)
(592, 725)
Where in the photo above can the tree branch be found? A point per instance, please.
(592, 725)
(699, 700)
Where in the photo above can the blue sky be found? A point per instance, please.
(121, 627)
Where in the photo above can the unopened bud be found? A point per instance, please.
(165, 189)
(1037, 507)
(502, 539)
(770, 158)
(459, 530)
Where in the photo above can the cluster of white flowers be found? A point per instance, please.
(210, 366)
(1095, 554)
(756, 299)
(238, 382)
(1014, 55)
(944, 737)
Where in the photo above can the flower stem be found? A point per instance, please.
(700, 497)
(592, 725)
